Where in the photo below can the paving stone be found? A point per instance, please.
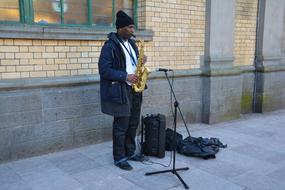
(278, 174)
(55, 180)
(197, 179)
(219, 168)
(73, 162)
(102, 178)
(8, 176)
(31, 166)
(94, 151)
(246, 162)
(16, 185)
(159, 181)
(261, 153)
(255, 181)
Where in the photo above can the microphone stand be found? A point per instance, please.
(174, 169)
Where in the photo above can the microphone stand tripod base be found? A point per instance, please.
(174, 171)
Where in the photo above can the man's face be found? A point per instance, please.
(127, 31)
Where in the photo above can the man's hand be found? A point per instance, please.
(132, 78)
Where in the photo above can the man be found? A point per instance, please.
(117, 65)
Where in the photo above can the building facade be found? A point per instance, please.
(227, 57)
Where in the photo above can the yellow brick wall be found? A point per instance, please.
(178, 43)
(47, 58)
(179, 31)
(245, 32)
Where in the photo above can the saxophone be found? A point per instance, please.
(141, 71)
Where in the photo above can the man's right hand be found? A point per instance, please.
(132, 78)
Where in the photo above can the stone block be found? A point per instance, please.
(271, 91)
(21, 101)
(32, 148)
(5, 137)
(221, 98)
(61, 97)
(20, 118)
(70, 112)
(91, 136)
(5, 153)
(42, 131)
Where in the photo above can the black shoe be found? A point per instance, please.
(124, 165)
(138, 158)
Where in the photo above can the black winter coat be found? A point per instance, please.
(113, 75)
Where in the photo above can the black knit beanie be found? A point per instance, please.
(123, 20)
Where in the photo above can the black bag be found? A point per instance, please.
(169, 141)
(154, 135)
(194, 146)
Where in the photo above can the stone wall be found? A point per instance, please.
(39, 120)
(39, 117)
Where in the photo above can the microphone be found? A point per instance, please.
(163, 69)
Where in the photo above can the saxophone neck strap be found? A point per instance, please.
(129, 50)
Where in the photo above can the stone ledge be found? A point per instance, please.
(270, 68)
(176, 73)
(219, 59)
(269, 57)
(22, 31)
(220, 71)
(12, 84)
(246, 69)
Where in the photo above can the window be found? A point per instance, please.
(75, 12)
(126, 6)
(9, 10)
(47, 12)
(65, 12)
(103, 13)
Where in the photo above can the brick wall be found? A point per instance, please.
(179, 31)
(245, 32)
(178, 43)
(47, 58)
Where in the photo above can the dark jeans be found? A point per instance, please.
(124, 128)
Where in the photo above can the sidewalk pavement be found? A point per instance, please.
(253, 160)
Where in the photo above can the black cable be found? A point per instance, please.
(171, 101)
(158, 163)
(149, 162)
